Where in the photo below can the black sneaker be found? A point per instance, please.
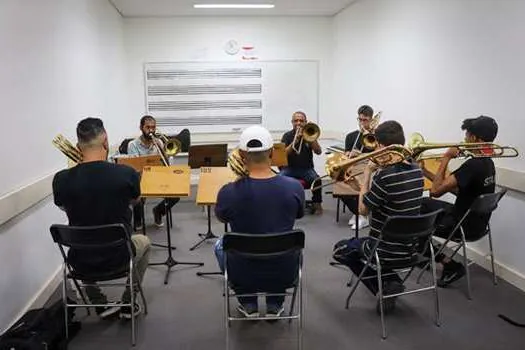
(390, 287)
(106, 312)
(248, 310)
(125, 311)
(452, 271)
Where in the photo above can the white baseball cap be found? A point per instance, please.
(255, 139)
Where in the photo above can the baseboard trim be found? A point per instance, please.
(41, 297)
(503, 271)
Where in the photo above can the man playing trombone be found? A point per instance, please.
(144, 145)
(353, 147)
(474, 177)
(300, 158)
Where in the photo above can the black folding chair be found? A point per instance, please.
(95, 240)
(261, 249)
(410, 231)
(485, 204)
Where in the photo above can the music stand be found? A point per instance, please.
(167, 182)
(215, 155)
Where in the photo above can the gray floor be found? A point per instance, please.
(188, 312)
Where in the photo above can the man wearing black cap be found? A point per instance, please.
(474, 177)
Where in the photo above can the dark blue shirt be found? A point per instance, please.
(261, 205)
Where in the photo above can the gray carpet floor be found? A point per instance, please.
(188, 312)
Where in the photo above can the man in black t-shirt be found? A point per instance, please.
(96, 192)
(301, 165)
(353, 147)
(476, 176)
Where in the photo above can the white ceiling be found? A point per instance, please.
(163, 8)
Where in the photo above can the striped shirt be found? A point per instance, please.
(395, 190)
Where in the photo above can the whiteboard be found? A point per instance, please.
(229, 96)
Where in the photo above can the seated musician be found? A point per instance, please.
(353, 147)
(394, 190)
(301, 165)
(260, 203)
(145, 146)
(476, 176)
(96, 192)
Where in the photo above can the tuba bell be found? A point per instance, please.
(309, 133)
(67, 148)
(237, 164)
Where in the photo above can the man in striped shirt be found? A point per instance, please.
(394, 190)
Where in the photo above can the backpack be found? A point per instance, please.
(40, 329)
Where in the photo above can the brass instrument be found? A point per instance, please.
(172, 146)
(308, 133)
(66, 147)
(237, 164)
(369, 139)
(339, 167)
(418, 147)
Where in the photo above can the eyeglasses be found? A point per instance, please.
(363, 119)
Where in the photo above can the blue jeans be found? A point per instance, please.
(309, 175)
(245, 275)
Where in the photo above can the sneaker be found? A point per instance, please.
(316, 209)
(274, 310)
(351, 222)
(138, 228)
(363, 223)
(157, 218)
(248, 310)
(125, 311)
(105, 312)
(452, 271)
(389, 288)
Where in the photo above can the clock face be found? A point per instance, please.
(232, 47)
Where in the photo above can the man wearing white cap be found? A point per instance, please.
(260, 203)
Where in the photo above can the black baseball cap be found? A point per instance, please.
(483, 127)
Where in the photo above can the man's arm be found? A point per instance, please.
(441, 183)
(223, 208)
(371, 195)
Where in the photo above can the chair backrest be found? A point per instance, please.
(123, 148)
(406, 228)
(263, 245)
(487, 203)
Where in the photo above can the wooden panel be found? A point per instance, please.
(279, 156)
(138, 163)
(211, 181)
(162, 181)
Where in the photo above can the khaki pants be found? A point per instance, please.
(142, 248)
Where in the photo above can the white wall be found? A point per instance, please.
(430, 64)
(61, 60)
(203, 39)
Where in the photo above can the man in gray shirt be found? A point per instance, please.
(144, 146)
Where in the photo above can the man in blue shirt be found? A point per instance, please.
(260, 203)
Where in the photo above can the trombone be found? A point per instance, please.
(309, 133)
(67, 148)
(418, 147)
(172, 146)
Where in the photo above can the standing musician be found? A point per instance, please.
(143, 146)
(96, 192)
(394, 190)
(353, 147)
(476, 176)
(260, 203)
(301, 165)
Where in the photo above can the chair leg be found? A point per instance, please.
(434, 281)
(292, 303)
(132, 298)
(352, 291)
(64, 301)
(301, 321)
(494, 278)
(82, 295)
(380, 295)
(467, 268)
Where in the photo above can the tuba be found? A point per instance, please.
(66, 147)
(418, 147)
(172, 146)
(309, 133)
(237, 164)
(369, 139)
